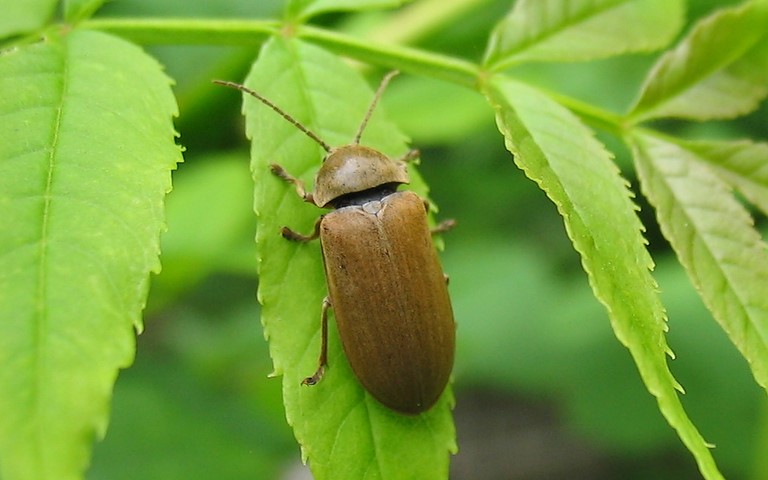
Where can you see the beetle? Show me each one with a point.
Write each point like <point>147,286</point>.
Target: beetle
<point>385,283</point>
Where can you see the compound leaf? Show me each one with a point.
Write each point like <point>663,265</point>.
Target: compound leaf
<point>556,151</point>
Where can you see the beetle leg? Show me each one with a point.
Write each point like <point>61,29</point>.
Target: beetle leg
<point>443,226</point>
<point>297,184</point>
<point>323,361</point>
<point>410,156</point>
<point>289,234</point>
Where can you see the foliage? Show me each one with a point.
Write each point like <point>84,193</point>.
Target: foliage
<point>88,147</point>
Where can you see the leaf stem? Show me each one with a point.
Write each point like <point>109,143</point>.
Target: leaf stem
<point>408,59</point>
<point>595,117</point>
<point>187,31</point>
<point>254,32</point>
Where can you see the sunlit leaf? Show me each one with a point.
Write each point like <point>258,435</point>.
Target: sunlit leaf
<point>24,16</point>
<point>720,70</point>
<point>75,10</point>
<point>743,164</point>
<point>343,431</point>
<point>715,240</point>
<point>88,145</point>
<point>556,151</point>
<point>573,30</point>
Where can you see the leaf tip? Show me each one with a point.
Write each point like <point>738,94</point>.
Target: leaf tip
<point>679,388</point>
<point>668,350</point>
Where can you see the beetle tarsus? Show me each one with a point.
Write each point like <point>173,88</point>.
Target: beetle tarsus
<point>316,377</point>
<point>323,360</point>
<point>293,236</point>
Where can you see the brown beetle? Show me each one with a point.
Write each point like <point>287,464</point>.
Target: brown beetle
<point>385,283</point>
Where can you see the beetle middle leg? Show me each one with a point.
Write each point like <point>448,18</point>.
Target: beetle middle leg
<point>294,236</point>
<point>443,226</point>
<point>323,361</point>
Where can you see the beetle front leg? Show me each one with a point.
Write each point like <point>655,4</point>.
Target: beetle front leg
<point>279,171</point>
<point>323,361</point>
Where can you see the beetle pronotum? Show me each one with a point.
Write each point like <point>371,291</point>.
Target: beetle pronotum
<point>385,283</point>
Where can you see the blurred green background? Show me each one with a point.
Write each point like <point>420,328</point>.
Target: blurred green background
<point>544,390</point>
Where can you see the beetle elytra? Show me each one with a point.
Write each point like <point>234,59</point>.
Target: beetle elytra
<point>385,283</point>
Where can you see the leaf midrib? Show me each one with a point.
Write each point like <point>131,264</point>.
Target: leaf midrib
<point>40,321</point>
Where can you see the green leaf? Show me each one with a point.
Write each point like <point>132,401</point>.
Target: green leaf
<point>304,9</point>
<point>343,431</point>
<point>576,30</point>
<point>88,145</point>
<point>76,10</point>
<point>715,240</point>
<point>556,151</point>
<point>742,164</point>
<point>720,70</point>
<point>20,17</point>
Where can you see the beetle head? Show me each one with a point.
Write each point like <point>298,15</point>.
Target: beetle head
<point>355,168</point>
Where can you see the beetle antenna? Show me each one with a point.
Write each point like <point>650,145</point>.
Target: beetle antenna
<point>277,109</point>
<point>376,97</point>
